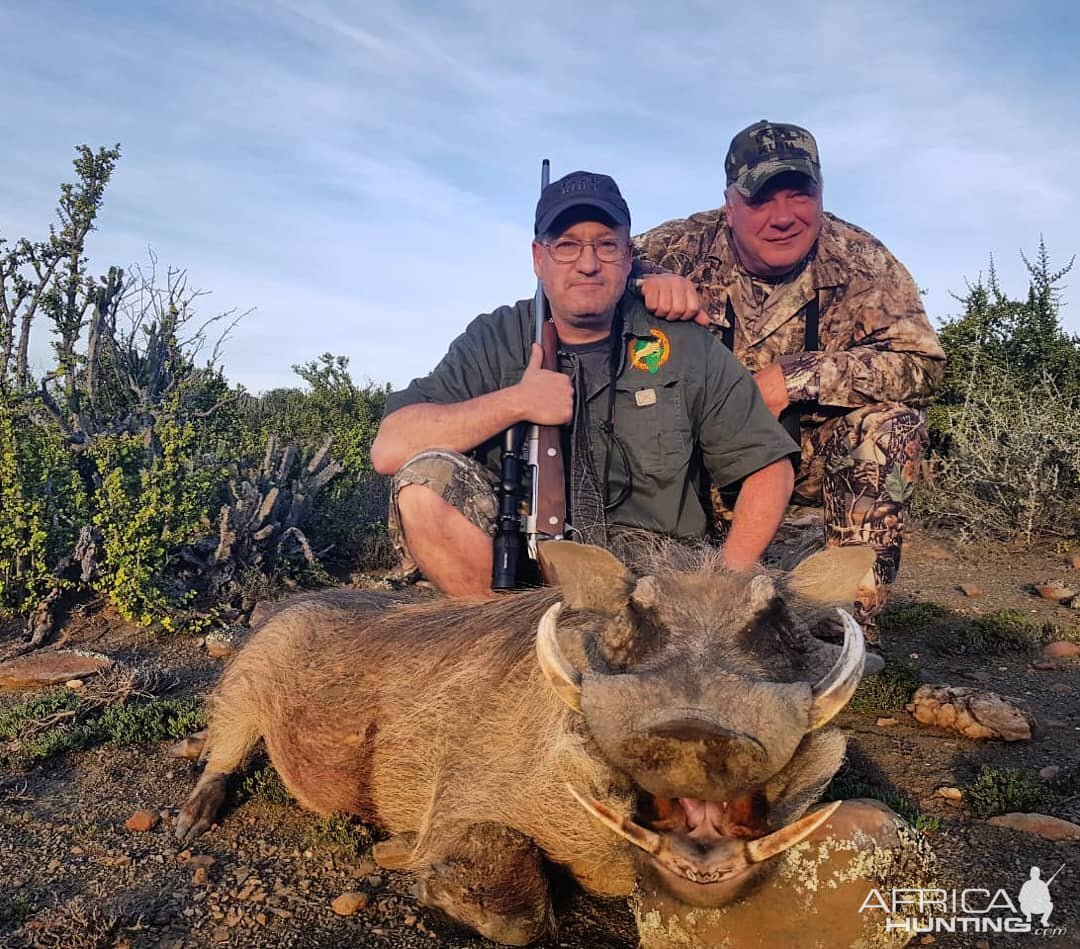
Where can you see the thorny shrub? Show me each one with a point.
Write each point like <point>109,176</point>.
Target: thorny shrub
<point>1008,462</point>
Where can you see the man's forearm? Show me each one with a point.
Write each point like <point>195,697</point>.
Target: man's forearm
<point>759,509</point>
<point>459,426</point>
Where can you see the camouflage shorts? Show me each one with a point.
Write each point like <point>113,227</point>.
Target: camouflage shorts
<point>460,481</point>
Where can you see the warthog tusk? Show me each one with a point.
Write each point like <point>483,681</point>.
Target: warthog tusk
<point>647,840</point>
<point>735,859</point>
<point>834,691</point>
<point>765,848</point>
<point>563,678</point>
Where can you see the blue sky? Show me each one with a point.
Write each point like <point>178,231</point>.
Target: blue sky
<point>364,174</point>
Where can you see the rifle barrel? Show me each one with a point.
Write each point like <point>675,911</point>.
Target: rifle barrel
<point>541,300</point>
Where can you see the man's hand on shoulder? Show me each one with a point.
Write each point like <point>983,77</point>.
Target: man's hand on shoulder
<point>672,297</point>
<point>547,397</point>
<point>773,388</point>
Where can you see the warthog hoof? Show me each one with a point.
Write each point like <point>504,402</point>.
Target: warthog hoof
<point>202,808</point>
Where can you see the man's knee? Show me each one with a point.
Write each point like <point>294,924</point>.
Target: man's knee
<point>897,432</point>
<point>420,506</point>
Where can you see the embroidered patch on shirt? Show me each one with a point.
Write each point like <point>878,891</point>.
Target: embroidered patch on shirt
<point>649,355</point>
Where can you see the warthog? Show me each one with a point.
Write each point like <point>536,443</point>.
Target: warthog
<point>665,731</point>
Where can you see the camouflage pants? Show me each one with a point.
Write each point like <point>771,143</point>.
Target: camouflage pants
<point>861,467</point>
<point>463,483</point>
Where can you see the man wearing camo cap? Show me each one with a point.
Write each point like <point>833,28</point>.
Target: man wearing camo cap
<point>829,323</point>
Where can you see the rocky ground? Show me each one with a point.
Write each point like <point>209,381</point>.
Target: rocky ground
<point>73,874</point>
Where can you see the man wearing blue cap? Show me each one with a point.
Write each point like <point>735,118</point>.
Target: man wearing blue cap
<point>653,410</point>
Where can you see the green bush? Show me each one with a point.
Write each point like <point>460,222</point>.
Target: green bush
<point>146,510</point>
<point>1003,631</point>
<point>60,720</point>
<point>43,501</point>
<point>340,835</point>
<point>1005,434</point>
<point>890,690</point>
<point>266,784</point>
<point>1004,790</point>
<point>349,519</point>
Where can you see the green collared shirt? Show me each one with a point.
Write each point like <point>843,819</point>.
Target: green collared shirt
<point>685,410</point>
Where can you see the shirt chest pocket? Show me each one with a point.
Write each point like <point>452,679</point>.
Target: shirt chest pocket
<point>654,426</point>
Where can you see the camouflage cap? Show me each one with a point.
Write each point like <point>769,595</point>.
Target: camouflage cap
<point>766,149</point>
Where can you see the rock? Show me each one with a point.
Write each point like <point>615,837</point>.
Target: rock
<point>974,713</point>
<point>50,668</point>
<point>190,747</point>
<point>221,934</point>
<point>350,903</point>
<point>142,821</point>
<point>221,643</point>
<point>1056,590</point>
<point>886,722</point>
<point>1045,665</point>
<point>1061,688</point>
<point>200,877</point>
<point>1050,772</point>
<point>816,889</point>
<point>74,684</point>
<point>1074,561</point>
<point>1051,828</point>
<point>200,860</point>
<point>950,794</point>
<point>981,675</point>
<point>1061,649</point>
<point>971,589</point>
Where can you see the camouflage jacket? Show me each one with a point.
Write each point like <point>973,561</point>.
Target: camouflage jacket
<point>876,344</point>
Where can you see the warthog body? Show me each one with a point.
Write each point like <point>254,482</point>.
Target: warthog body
<point>683,710</point>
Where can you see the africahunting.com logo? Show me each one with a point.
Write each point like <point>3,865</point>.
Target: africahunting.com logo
<point>973,910</point>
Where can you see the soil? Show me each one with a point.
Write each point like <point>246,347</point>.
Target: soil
<point>74,876</point>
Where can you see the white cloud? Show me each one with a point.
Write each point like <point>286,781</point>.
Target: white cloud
<point>365,175</point>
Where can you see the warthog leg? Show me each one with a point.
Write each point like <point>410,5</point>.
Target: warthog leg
<point>490,878</point>
<point>232,735</point>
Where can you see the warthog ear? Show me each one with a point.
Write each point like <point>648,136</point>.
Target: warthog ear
<point>833,576</point>
<point>590,577</point>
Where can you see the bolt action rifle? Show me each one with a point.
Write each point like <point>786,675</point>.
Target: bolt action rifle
<point>546,518</point>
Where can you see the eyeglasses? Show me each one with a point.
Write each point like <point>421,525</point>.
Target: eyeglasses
<point>608,250</point>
